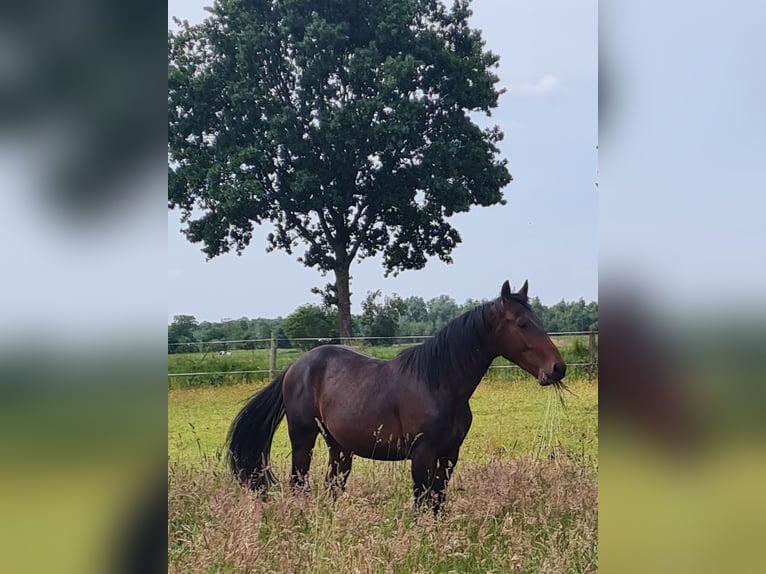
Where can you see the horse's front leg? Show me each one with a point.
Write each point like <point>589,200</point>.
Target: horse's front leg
<point>444,468</point>
<point>423,470</point>
<point>445,464</point>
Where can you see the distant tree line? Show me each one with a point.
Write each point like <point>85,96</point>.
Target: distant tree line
<point>382,316</point>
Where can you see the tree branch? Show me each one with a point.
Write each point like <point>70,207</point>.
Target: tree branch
<point>303,232</point>
<point>362,232</point>
<point>325,227</point>
<point>362,206</point>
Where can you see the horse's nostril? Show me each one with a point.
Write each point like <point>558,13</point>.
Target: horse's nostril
<point>559,370</point>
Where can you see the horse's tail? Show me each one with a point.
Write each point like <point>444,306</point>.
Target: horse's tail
<point>250,436</point>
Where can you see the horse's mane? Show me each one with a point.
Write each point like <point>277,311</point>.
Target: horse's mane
<point>457,350</point>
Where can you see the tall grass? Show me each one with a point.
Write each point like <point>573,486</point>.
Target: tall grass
<point>524,515</point>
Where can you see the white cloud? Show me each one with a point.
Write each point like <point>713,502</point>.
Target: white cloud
<point>546,85</point>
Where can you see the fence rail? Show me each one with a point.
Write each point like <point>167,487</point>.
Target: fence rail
<point>317,339</point>
<point>591,364</point>
<point>269,371</point>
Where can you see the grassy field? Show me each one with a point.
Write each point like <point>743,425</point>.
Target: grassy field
<point>508,418</point>
<point>511,506</point>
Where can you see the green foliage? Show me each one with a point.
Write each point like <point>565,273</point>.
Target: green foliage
<point>392,317</point>
<point>415,309</point>
<point>442,310</point>
<point>276,108</point>
<point>309,321</point>
<point>579,350</point>
<point>563,316</point>
<point>186,335</point>
<point>381,319</point>
<point>414,320</point>
<point>181,333</point>
<point>346,124</point>
<point>329,296</point>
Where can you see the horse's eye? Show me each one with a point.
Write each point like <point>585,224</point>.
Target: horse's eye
<point>522,323</point>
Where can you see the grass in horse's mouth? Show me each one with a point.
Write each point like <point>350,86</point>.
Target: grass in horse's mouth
<point>548,444</point>
<point>561,385</point>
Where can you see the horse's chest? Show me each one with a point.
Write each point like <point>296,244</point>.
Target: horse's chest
<point>450,429</point>
<point>460,426</point>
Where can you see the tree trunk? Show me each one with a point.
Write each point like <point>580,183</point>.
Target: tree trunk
<point>342,282</point>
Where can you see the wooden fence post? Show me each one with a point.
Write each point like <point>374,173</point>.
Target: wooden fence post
<point>273,356</point>
<point>591,354</point>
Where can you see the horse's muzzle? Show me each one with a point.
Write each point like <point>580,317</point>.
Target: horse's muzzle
<point>558,372</point>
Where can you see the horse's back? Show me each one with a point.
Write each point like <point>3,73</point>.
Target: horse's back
<point>332,351</point>
<point>314,367</point>
<point>330,369</point>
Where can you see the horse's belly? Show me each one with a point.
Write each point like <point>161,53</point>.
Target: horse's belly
<point>384,452</point>
<point>376,444</point>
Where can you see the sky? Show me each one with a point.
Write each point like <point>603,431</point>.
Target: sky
<point>546,234</point>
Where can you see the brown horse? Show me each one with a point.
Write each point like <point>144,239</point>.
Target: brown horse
<point>414,406</point>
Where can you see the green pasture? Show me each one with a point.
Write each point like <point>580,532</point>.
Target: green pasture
<point>508,421</point>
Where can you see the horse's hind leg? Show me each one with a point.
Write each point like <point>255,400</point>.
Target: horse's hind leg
<point>340,467</point>
<point>302,438</point>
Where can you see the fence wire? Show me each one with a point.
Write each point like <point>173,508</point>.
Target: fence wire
<point>268,371</point>
<point>319,339</point>
<point>592,363</point>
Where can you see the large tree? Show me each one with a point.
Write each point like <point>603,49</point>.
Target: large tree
<point>345,123</point>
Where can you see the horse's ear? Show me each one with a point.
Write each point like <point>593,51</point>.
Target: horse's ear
<point>523,290</point>
<point>505,292</point>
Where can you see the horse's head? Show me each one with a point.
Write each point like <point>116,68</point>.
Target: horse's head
<point>521,339</point>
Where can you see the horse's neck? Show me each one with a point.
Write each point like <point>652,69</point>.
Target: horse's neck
<point>465,383</point>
